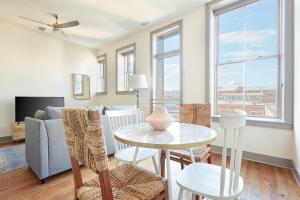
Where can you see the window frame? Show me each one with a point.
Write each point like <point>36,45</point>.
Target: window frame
<point>103,59</point>
<point>160,56</point>
<point>285,61</point>
<point>123,51</point>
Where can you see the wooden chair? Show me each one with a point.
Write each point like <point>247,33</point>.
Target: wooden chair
<point>85,142</point>
<point>218,182</point>
<point>194,114</point>
<point>124,152</point>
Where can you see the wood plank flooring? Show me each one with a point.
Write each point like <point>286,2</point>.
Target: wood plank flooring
<point>262,182</point>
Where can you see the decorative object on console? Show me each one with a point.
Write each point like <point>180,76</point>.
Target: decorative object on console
<point>160,119</point>
<point>17,131</point>
<point>137,82</point>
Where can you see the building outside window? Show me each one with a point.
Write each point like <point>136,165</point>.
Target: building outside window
<point>166,75</point>
<point>125,67</point>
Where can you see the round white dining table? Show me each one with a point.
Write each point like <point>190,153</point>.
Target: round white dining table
<point>179,136</point>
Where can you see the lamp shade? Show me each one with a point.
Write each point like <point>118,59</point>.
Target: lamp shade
<point>137,81</point>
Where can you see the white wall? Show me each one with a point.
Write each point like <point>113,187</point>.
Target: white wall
<point>193,61</point>
<point>273,142</point>
<point>297,85</point>
<point>33,64</point>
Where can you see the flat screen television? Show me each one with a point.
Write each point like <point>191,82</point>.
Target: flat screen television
<point>27,106</point>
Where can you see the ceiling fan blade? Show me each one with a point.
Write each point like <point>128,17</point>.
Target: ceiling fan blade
<point>63,34</point>
<point>68,24</point>
<point>35,21</point>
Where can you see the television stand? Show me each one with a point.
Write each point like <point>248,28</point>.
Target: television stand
<point>18,131</point>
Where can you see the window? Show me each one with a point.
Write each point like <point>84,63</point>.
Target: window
<point>125,67</point>
<point>102,75</point>
<point>250,59</point>
<point>166,74</point>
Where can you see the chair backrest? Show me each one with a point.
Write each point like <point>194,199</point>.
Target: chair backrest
<point>232,125</point>
<point>196,114</point>
<point>122,118</point>
<point>85,142</point>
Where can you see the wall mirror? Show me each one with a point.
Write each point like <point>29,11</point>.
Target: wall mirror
<point>81,87</point>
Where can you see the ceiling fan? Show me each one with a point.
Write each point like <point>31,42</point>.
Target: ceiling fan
<point>56,27</point>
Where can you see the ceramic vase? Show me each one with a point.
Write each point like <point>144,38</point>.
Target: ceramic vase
<point>160,119</point>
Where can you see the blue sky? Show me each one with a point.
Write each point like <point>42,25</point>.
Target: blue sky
<point>255,22</point>
<point>249,32</point>
<point>171,70</point>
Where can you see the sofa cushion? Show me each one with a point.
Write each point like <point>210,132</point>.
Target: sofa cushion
<point>99,108</point>
<point>119,107</point>
<point>40,114</point>
<point>53,112</point>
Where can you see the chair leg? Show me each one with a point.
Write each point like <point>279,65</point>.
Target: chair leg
<point>155,165</point>
<point>166,191</point>
<point>192,155</point>
<point>75,196</point>
<point>180,194</point>
<point>209,160</point>
<point>117,163</point>
<point>181,163</point>
<point>162,163</point>
<point>135,155</point>
<point>42,181</point>
<point>193,196</point>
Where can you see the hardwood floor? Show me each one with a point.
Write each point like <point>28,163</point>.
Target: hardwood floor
<point>262,182</point>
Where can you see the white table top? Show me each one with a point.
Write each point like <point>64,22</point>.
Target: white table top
<point>177,136</point>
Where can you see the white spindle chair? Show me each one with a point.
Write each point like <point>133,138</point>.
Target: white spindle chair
<point>218,182</point>
<point>126,153</point>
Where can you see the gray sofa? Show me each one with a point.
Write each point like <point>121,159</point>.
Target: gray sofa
<point>45,143</point>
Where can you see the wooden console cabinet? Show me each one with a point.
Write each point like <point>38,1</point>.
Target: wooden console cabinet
<point>18,131</point>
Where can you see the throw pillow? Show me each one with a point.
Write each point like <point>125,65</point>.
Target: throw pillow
<point>53,112</point>
<point>40,114</point>
<point>99,108</point>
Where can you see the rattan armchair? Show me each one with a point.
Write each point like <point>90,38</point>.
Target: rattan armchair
<point>195,114</point>
<point>86,144</point>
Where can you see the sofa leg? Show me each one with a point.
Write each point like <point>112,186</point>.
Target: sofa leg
<point>42,181</point>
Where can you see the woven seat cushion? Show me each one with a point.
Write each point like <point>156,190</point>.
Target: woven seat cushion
<point>199,153</point>
<point>128,182</point>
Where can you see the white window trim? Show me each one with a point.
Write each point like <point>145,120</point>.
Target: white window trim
<point>286,62</point>
<point>154,56</point>
<point>123,50</point>
<point>103,59</point>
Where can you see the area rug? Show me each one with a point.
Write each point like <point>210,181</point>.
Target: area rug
<point>12,158</point>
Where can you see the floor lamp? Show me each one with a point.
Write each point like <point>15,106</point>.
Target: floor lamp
<point>137,82</point>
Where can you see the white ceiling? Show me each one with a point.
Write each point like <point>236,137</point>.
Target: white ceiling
<point>101,21</point>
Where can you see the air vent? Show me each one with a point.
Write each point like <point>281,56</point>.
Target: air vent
<point>145,23</point>
<point>40,28</point>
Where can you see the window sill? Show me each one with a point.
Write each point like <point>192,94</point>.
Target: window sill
<point>101,93</point>
<point>125,93</point>
<point>267,123</point>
